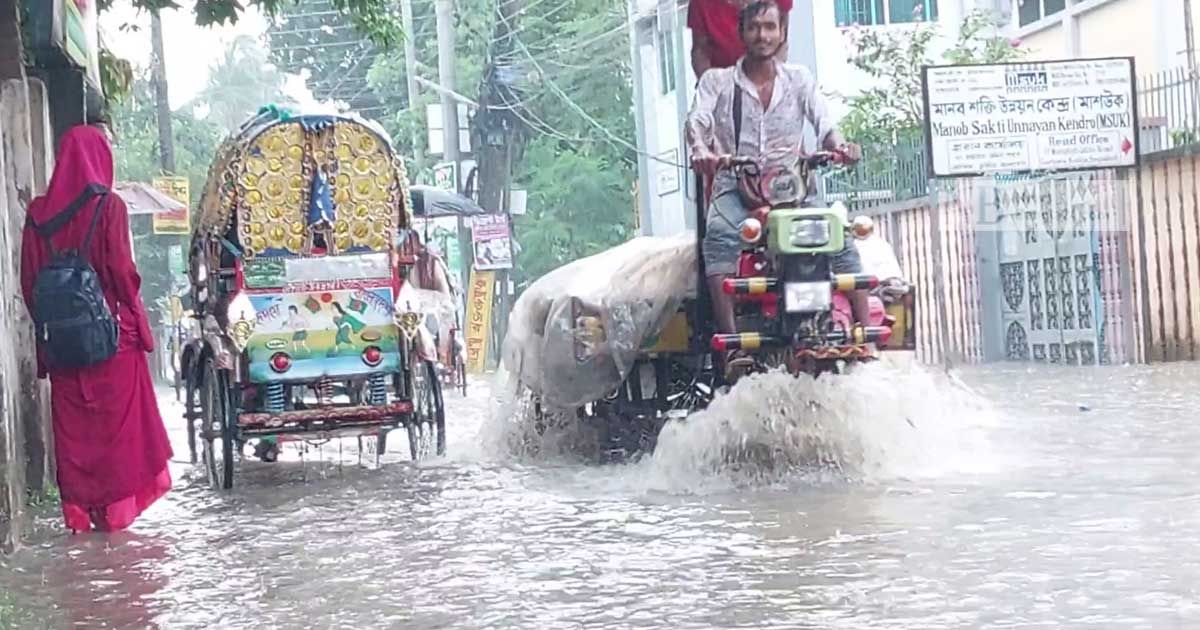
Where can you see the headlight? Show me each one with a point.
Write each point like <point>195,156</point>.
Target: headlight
<point>810,232</point>
<point>241,318</point>
<point>751,230</point>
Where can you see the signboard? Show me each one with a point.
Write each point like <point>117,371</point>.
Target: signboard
<point>479,318</point>
<point>66,32</point>
<point>1056,115</point>
<point>437,137</point>
<point>518,202</point>
<point>667,171</point>
<point>177,221</point>
<point>445,176</point>
<point>493,244</point>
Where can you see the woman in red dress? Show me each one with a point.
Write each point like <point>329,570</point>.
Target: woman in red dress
<point>109,441</point>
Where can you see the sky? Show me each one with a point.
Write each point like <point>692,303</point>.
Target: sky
<point>190,50</point>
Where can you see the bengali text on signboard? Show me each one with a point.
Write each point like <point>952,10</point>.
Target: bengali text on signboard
<point>174,221</point>
<point>1061,115</point>
<point>479,318</point>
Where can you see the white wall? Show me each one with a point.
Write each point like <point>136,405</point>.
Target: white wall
<point>837,77</point>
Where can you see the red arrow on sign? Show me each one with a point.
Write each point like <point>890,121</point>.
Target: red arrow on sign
<point>1126,146</point>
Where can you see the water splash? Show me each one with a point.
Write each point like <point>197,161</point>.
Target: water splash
<point>882,421</point>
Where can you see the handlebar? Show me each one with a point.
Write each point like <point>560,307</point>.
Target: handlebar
<point>812,160</point>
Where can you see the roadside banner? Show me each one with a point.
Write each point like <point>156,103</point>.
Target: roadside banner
<point>174,221</point>
<point>479,318</point>
<point>492,241</point>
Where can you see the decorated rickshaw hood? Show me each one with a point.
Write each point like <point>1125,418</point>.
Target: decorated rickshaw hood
<point>282,178</point>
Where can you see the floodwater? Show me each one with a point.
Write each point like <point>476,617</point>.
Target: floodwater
<point>1006,497</point>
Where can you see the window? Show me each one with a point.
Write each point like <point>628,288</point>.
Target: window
<point>871,12</point>
<point>859,12</point>
<point>903,11</point>
<point>1030,11</point>
<point>666,61</point>
<point>1050,7</point>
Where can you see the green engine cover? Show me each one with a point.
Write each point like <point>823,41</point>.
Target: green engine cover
<point>779,230</point>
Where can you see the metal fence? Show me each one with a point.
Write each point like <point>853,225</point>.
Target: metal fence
<point>1169,110</point>
<point>889,173</point>
<point>1168,117</point>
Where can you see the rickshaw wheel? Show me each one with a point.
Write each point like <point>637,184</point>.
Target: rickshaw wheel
<point>427,429</point>
<point>190,403</point>
<point>215,410</point>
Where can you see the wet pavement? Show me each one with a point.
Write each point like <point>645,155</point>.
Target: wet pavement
<point>1006,497</point>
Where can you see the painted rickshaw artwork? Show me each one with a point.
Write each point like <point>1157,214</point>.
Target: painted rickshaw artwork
<point>305,329</point>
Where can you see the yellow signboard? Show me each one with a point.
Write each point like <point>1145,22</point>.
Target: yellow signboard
<point>175,222</point>
<point>479,318</point>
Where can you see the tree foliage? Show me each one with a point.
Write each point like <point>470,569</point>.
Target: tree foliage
<point>135,153</point>
<point>374,18</point>
<point>892,108</point>
<point>566,82</point>
<point>304,38</point>
<point>241,82</point>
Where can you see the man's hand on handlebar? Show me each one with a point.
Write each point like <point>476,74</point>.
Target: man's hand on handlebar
<point>706,162</point>
<point>851,153</point>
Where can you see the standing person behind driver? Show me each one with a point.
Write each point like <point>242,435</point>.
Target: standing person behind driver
<point>775,101</point>
<point>716,40</point>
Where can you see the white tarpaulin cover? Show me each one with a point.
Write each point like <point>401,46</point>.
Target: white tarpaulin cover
<point>632,290</point>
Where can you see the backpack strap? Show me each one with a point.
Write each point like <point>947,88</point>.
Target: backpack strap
<point>87,240</point>
<point>737,117</point>
<point>60,220</point>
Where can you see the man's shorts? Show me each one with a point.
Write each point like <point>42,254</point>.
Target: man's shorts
<point>723,242</point>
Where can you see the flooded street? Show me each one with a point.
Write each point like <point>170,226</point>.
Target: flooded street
<point>1025,498</point>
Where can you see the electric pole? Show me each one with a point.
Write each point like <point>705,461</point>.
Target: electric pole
<point>497,138</point>
<point>410,72</point>
<point>166,141</point>
<point>447,57</point>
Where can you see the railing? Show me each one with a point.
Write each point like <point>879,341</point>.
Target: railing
<point>1169,110</point>
<point>888,173</point>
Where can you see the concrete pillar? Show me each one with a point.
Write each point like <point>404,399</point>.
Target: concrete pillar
<point>31,404</point>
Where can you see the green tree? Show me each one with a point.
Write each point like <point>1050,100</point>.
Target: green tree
<point>565,82</point>
<point>241,82</point>
<point>304,39</point>
<point>888,118</point>
<point>135,155</point>
<point>892,60</point>
<point>374,18</point>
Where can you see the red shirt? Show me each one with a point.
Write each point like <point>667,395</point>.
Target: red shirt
<point>719,19</point>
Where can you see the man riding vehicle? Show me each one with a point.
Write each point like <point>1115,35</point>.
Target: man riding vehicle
<point>716,39</point>
<point>750,110</point>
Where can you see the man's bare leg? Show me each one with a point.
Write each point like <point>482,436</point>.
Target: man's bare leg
<point>722,305</point>
<point>860,304</point>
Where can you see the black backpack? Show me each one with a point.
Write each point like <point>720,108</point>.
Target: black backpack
<point>74,326</point>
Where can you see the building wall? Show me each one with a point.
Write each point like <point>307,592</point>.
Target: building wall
<point>25,447</point>
<point>25,149</point>
<point>1152,31</point>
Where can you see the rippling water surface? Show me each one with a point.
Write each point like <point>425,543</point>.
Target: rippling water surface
<point>895,498</point>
